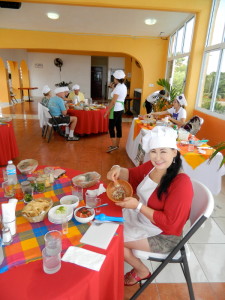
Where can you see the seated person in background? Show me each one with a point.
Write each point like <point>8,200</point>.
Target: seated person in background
<point>154,220</point>
<point>178,112</point>
<point>57,108</point>
<point>76,96</point>
<point>152,98</point>
<point>47,95</point>
<point>193,125</point>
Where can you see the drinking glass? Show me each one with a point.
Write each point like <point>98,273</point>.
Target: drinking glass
<point>53,242</point>
<point>8,189</point>
<point>90,200</point>
<point>77,191</point>
<point>98,201</point>
<point>51,263</point>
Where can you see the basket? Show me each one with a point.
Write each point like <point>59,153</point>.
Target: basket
<point>111,188</point>
<point>41,214</point>
<point>86,180</point>
<point>27,166</point>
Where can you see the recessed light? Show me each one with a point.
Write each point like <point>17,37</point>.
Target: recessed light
<point>53,15</point>
<point>150,21</point>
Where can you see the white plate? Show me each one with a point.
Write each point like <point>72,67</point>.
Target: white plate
<point>56,218</point>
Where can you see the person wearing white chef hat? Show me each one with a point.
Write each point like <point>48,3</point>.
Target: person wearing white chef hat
<point>177,113</point>
<point>154,220</point>
<point>115,110</point>
<point>47,95</point>
<point>76,96</point>
<point>58,109</point>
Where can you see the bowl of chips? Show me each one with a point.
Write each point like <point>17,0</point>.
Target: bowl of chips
<point>36,210</point>
<point>119,190</point>
<point>86,180</point>
<point>27,166</point>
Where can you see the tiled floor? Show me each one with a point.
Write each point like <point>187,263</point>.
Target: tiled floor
<point>207,246</point>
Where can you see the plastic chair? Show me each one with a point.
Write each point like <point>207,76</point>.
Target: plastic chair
<point>194,125</point>
<point>13,98</point>
<point>201,209</point>
<point>52,123</point>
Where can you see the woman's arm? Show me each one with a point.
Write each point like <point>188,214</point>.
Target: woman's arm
<point>111,105</point>
<point>116,172</point>
<point>180,122</point>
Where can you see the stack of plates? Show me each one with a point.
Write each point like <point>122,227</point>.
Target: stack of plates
<point>57,218</point>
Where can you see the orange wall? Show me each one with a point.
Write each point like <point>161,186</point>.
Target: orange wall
<point>213,128</point>
<point>4,91</point>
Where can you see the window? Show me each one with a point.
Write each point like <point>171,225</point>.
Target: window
<point>211,92</point>
<point>178,54</point>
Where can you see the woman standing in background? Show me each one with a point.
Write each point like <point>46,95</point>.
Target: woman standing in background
<point>116,109</point>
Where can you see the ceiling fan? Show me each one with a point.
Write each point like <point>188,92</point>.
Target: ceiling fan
<point>58,63</point>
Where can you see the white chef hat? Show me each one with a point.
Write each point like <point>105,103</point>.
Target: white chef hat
<point>159,137</point>
<point>59,89</point>
<point>46,89</point>
<point>119,74</point>
<point>66,89</point>
<point>75,87</point>
<point>181,99</point>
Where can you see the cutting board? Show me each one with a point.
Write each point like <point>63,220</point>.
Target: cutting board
<point>99,235</point>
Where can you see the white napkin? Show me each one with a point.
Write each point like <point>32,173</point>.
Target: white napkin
<point>96,192</point>
<point>9,210</point>
<point>84,258</point>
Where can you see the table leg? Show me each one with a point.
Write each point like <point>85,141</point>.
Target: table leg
<point>29,100</point>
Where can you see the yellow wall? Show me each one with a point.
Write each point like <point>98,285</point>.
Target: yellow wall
<point>4,91</point>
<point>151,53</point>
<point>15,78</point>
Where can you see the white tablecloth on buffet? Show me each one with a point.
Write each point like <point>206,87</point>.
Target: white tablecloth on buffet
<point>207,173</point>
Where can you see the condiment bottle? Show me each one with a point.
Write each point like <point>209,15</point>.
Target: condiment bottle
<point>6,236</point>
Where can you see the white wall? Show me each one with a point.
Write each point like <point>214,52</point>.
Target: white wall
<point>76,68</point>
<point>13,54</point>
<point>115,63</point>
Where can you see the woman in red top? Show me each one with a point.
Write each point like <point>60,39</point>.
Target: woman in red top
<point>154,222</point>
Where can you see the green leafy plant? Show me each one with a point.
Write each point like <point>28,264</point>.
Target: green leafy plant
<point>172,91</point>
<point>220,147</point>
<point>63,83</point>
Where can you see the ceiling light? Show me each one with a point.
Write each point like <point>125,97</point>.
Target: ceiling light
<point>52,15</point>
<point>150,21</point>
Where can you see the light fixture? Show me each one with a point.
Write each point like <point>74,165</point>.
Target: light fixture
<point>150,21</point>
<point>53,15</point>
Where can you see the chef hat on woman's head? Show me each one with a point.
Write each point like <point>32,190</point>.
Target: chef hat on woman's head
<point>66,89</point>
<point>59,90</point>
<point>75,87</point>
<point>159,137</point>
<point>46,89</point>
<point>119,74</point>
<point>182,100</point>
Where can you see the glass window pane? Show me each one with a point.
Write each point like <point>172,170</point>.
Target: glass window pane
<point>217,26</point>
<point>172,45</point>
<point>188,36</point>
<point>209,75</point>
<point>220,96</point>
<point>179,75</point>
<point>180,35</point>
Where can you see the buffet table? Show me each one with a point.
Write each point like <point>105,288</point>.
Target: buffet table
<point>91,121</point>
<point>71,281</point>
<point>8,145</point>
<point>196,165</point>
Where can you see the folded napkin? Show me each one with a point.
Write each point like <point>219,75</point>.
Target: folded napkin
<point>96,192</point>
<point>9,210</point>
<point>84,258</point>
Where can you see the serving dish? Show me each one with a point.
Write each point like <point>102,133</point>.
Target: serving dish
<point>36,210</point>
<point>80,212</point>
<point>57,213</point>
<point>118,193</point>
<point>27,166</point>
<point>70,200</point>
<point>86,180</point>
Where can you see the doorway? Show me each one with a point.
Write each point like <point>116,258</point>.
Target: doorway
<point>96,82</point>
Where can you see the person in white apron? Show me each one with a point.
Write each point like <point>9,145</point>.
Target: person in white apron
<point>115,110</point>
<point>155,219</point>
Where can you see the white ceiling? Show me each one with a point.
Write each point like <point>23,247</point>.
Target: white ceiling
<point>91,20</point>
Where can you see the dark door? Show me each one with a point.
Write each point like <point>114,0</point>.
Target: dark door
<point>96,82</point>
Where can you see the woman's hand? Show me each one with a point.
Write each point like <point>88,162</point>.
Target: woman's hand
<point>128,202</point>
<point>106,114</point>
<point>114,173</point>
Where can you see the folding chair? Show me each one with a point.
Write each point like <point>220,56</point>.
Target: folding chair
<point>43,121</point>
<point>201,209</point>
<point>52,123</point>
<point>193,125</point>
<point>13,98</point>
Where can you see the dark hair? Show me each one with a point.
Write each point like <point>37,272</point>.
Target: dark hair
<point>120,80</point>
<point>162,92</point>
<point>171,173</point>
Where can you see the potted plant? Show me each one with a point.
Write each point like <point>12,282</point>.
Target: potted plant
<point>220,147</point>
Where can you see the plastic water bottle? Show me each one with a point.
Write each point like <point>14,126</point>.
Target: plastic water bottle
<point>1,251</point>
<point>11,173</point>
<point>191,146</point>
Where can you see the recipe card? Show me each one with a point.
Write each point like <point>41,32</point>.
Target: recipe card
<point>99,235</point>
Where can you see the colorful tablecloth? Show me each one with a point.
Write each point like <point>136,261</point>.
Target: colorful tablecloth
<point>29,240</point>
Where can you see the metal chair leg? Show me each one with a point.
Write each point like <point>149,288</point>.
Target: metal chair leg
<point>187,275</point>
<point>50,135</point>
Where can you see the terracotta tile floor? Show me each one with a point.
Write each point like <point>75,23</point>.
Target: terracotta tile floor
<point>89,154</point>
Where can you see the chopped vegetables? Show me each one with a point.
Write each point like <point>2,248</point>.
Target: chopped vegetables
<point>61,210</point>
<point>83,212</point>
